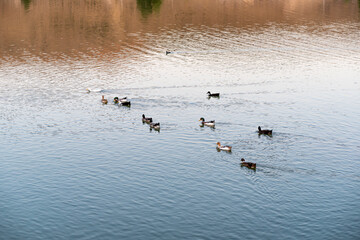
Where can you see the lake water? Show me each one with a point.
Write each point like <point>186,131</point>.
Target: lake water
<point>73,168</point>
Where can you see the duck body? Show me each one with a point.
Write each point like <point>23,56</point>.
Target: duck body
<point>103,100</point>
<point>125,102</point>
<point>155,126</point>
<point>264,131</point>
<point>224,148</point>
<point>94,90</point>
<point>208,123</point>
<point>146,120</point>
<point>213,94</point>
<point>248,164</point>
<point>169,52</point>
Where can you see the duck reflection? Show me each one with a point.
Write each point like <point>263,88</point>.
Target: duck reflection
<point>147,7</point>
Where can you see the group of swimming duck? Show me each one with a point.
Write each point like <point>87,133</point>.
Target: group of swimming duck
<point>156,126</point>
<point>226,147</point>
<point>123,101</point>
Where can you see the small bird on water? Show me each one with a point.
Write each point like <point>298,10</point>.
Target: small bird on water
<point>125,102</point>
<point>213,94</point>
<point>94,90</point>
<point>168,52</point>
<point>145,119</point>
<point>224,148</point>
<point>248,164</point>
<point>264,131</point>
<point>103,100</point>
<point>209,123</point>
<point>155,126</point>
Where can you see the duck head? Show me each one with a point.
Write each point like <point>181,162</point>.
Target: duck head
<point>243,160</point>
<point>208,93</point>
<point>202,119</point>
<point>259,128</point>
<point>143,116</point>
<point>218,143</point>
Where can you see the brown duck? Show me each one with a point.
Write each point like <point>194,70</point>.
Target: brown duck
<point>248,164</point>
<point>264,131</point>
<point>103,100</point>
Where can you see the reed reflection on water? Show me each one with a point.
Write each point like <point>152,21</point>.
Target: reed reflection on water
<point>72,167</point>
<point>147,7</point>
<point>101,27</point>
<point>26,4</point>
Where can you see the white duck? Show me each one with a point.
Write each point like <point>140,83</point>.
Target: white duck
<point>224,148</point>
<point>209,123</point>
<point>97,90</point>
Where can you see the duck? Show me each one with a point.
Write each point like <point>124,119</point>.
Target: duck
<point>94,90</point>
<point>224,148</point>
<point>145,119</point>
<point>265,131</point>
<point>248,164</point>
<point>155,126</point>
<point>124,101</point>
<point>209,123</point>
<point>103,100</point>
<point>213,94</point>
<point>169,52</point>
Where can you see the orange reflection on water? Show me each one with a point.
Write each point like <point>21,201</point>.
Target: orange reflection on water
<point>107,26</point>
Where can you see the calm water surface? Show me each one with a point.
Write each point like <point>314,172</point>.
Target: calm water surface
<point>72,168</point>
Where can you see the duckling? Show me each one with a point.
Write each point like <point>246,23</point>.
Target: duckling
<point>125,102</point>
<point>224,148</point>
<point>103,100</point>
<point>213,94</point>
<point>209,123</point>
<point>145,119</point>
<point>265,131</point>
<point>248,164</point>
<point>155,126</point>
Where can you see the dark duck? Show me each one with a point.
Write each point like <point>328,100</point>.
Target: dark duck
<point>145,119</point>
<point>248,164</point>
<point>264,131</point>
<point>169,52</point>
<point>213,94</point>
<point>125,102</point>
<point>155,126</point>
